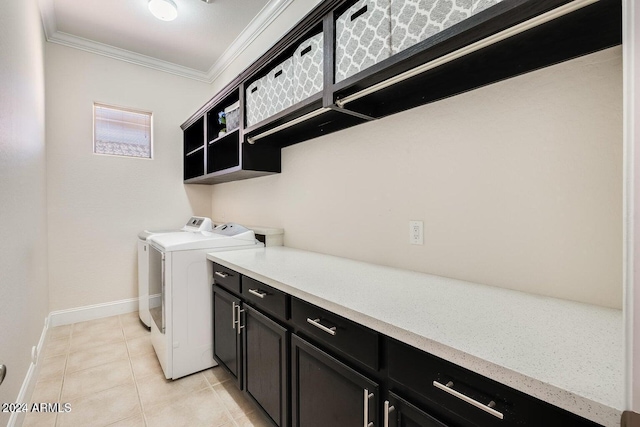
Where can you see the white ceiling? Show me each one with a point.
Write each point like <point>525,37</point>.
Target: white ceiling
<point>198,44</point>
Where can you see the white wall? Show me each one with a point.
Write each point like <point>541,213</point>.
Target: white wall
<point>519,185</point>
<point>24,294</point>
<point>98,204</point>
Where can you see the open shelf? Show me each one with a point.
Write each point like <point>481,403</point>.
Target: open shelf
<point>194,164</point>
<point>213,125</point>
<point>224,152</point>
<point>255,161</point>
<point>194,136</point>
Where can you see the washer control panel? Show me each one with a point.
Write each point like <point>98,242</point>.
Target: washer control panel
<point>198,223</point>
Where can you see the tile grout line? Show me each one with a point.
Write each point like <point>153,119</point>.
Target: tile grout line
<point>91,367</point>
<point>224,405</point>
<point>133,372</point>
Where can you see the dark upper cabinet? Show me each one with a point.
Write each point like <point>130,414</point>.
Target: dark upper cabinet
<point>266,357</point>
<point>221,155</point>
<point>328,73</point>
<point>193,148</point>
<point>326,392</point>
<point>227,343</point>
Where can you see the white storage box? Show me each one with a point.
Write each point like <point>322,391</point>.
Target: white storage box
<point>363,37</point>
<point>279,87</point>
<point>256,101</point>
<point>415,20</point>
<point>308,68</point>
<point>480,5</point>
<point>232,116</point>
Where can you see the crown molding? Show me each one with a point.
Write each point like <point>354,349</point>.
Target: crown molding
<point>126,55</point>
<point>48,14</point>
<point>266,16</point>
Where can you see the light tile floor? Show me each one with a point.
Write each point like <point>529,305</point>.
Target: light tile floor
<point>107,370</point>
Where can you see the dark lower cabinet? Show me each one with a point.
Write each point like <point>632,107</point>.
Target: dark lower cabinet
<point>325,392</point>
<point>401,413</point>
<point>266,349</point>
<point>227,345</point>
<point>297,384</point>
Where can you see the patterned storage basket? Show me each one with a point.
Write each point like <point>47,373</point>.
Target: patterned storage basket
<point>307,68</point>
<point>279,87</point>
<point>232,115</point>
<point>480,5</point>
<point>415,20</point>
<point>256,102</point>
<point>363,37</point>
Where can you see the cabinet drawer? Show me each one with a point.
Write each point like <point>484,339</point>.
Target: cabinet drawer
<point>344,335</point>
<point>226,278</point>
<point>455,394</point>
<point>265,297</point>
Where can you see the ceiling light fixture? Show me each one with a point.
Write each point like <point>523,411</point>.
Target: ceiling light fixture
<point>165,10</point>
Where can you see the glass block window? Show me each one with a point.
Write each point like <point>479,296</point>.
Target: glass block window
<point>121,132</point>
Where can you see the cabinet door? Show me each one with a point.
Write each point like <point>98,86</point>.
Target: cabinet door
<point>266,364</point>
<point>400,413</point>
<point>226,339</point>
<point>325,392</point>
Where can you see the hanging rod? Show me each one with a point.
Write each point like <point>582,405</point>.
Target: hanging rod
<point>480,44</point>
<point>253,139</point>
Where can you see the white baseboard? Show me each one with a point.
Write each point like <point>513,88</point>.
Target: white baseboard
<point>59,318</point>
<point>91,312</point>
<point>29,383</point>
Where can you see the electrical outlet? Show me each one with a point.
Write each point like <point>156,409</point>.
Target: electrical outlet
<point>416,236</point>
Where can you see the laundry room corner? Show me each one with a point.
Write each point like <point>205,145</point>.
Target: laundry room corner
<point>97,204</point>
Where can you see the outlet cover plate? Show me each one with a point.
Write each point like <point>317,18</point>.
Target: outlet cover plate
<point>416,234</point>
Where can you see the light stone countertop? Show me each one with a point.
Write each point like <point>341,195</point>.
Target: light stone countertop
<point>566,353</point>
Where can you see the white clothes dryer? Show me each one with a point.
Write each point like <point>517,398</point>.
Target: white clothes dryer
<point>181,320</point>
<point>195,224</point>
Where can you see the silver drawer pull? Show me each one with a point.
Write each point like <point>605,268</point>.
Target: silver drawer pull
<point>317,324</point>
<point>487,408</point>
<point>239,322</point>
<point>367,396</point>
<point>387,411</point>
<point>257,293</point>
<point>233,314</point>
<point>221,274</point>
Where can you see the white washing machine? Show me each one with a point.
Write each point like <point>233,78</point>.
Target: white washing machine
<point>181,320</point>
<point>194,224</point>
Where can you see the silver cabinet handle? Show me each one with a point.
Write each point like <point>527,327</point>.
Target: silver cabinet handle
<point>487,408</point>
<point>367,396</point>
<point>233,314</point>
<point>387,411</point>
<point>239,321</point>
<point>3,372</point>
<point>317,324</point>
<point>257,293</point>
<point>221,274</point>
